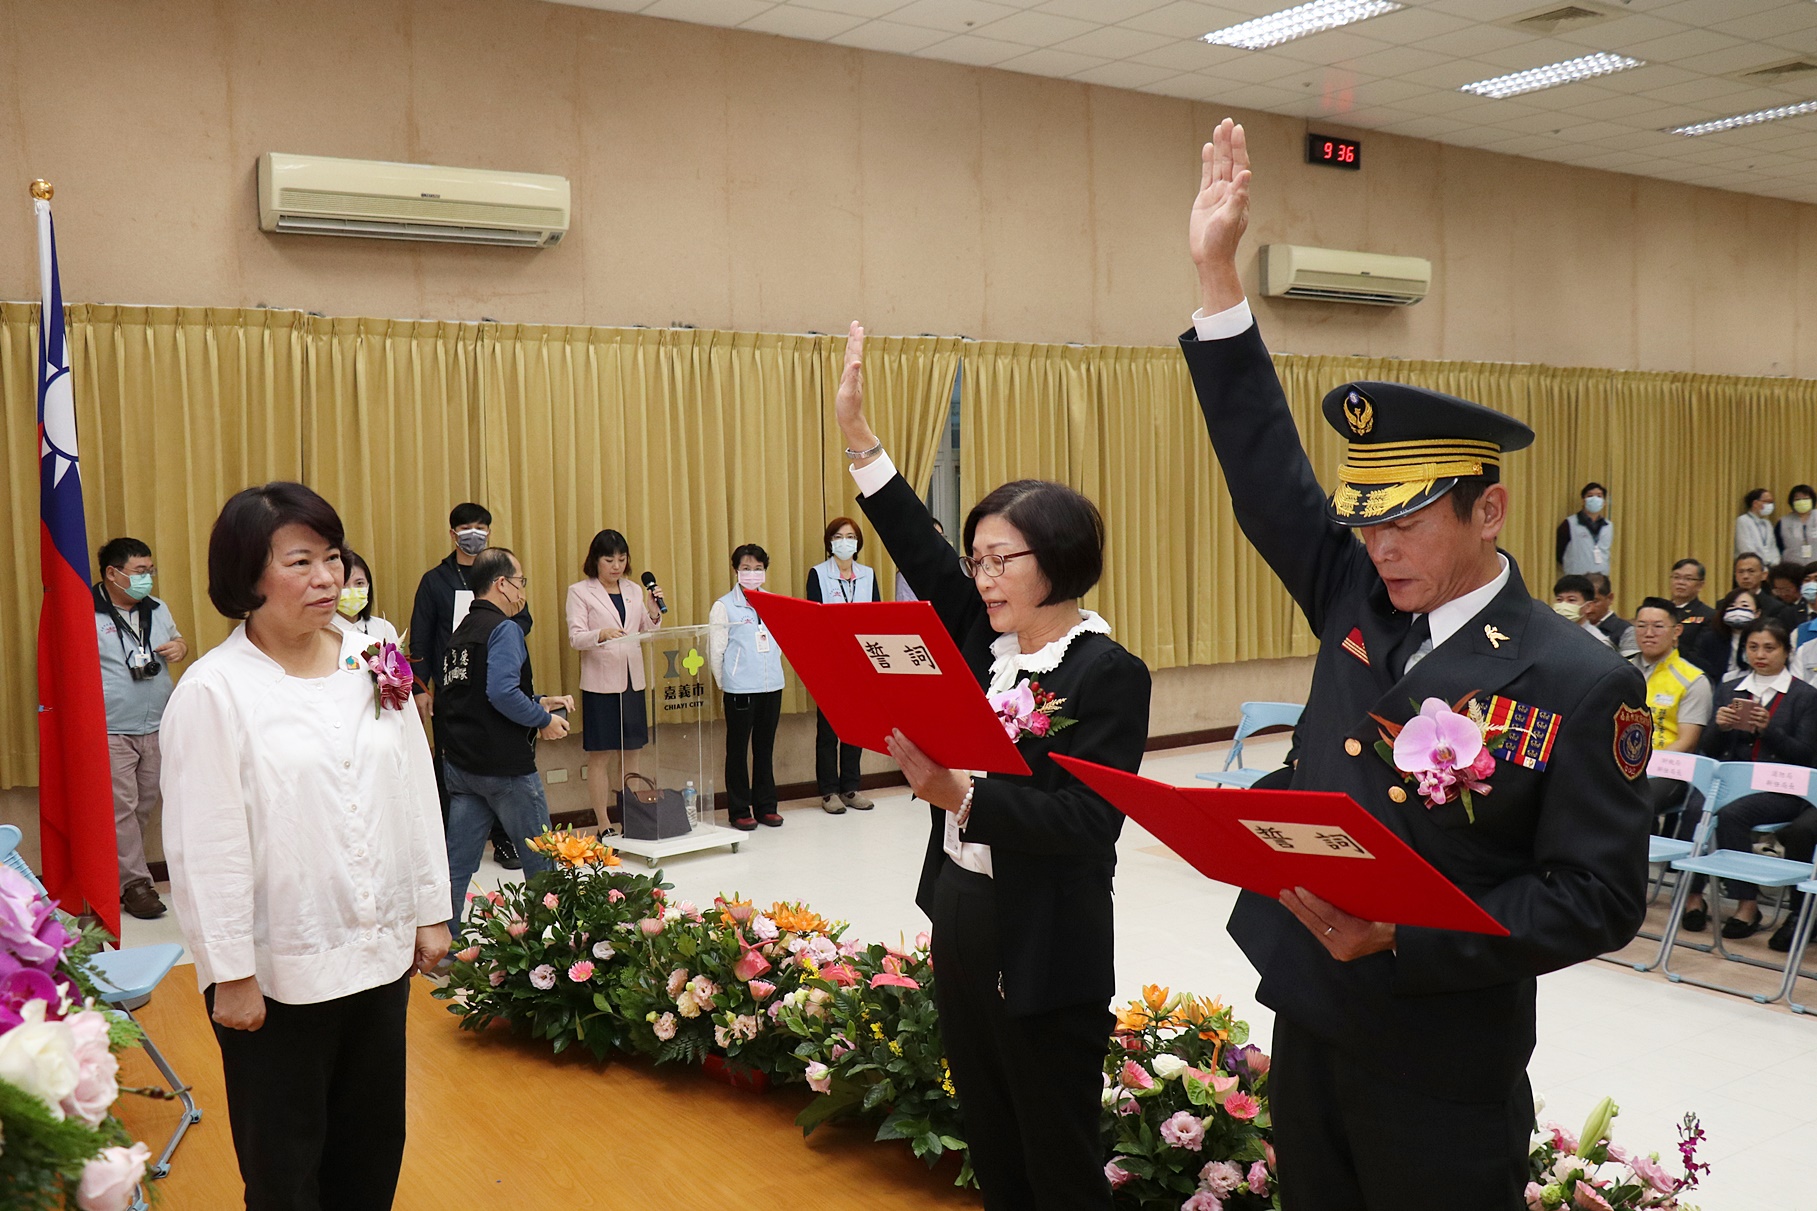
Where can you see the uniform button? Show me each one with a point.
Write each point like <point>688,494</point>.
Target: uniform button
<point>353,807</point>
<point>1397,794</point>
<point>360,852</point>
<point>346,765</point>
<point>1353,746</point>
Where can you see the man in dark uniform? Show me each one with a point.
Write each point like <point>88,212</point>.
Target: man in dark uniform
<point>1698,644</point>
<point>1403,1050</point>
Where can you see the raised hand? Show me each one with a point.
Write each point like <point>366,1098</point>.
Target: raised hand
<point>1220,214</point>
<point>848,404</point>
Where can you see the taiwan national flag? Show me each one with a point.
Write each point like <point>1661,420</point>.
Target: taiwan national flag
<point>75,787</point>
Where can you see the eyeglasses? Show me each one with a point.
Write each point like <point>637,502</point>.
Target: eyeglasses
<point>520,581</point>
<point>991,564</point>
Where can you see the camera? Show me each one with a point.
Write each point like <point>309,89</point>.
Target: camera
<point>143,664</point>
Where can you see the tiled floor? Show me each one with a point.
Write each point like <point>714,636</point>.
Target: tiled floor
<point>1659,1049</point>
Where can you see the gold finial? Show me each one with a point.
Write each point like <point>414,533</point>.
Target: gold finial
<point>42,190</point>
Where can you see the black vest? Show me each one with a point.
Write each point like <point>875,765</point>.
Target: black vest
<point>475,736</point>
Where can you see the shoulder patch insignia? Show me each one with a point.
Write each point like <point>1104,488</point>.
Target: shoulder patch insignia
<point>1353,643</point>
<point>1633,739</point>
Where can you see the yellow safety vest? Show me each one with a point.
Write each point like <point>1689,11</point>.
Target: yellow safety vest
<point>1666,687</point>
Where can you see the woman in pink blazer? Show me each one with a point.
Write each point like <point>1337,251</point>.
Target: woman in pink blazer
<point>605,613</point>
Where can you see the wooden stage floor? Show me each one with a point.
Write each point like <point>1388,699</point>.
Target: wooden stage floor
<point>496,1122</point>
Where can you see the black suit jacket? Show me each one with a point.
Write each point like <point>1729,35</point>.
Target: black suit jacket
<point>432,619</point>
<point>1559,857</point>
<point>1053,839</point>
<point>1790,737</point>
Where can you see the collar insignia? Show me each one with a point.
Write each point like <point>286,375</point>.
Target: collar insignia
<point>1495,637</point>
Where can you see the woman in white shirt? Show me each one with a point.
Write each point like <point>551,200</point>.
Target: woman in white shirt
<point>356,599</point>
<point>306,857</point>
<point>606,612</point>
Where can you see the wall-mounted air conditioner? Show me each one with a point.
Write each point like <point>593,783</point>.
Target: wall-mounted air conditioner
<point>1293,271</point>
<point>374,199</point>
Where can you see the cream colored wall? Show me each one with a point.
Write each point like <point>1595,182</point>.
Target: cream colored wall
<point>738,180</point>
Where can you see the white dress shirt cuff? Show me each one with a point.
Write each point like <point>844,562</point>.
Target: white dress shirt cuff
<point>1232,321</point>
<point>873,475</point>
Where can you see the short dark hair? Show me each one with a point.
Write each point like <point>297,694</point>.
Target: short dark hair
<point>1592,486</point>
<point>116,551</point>
<point>490,566</point>
<point>1573,583</point>
<point>1785,570</point>
<point>469,514</point>
<point>239,546</point>
<point>1747,555</point>
<point>1692,563</point>
<point>1657,603</point>
<point>751,549</point>
<point>605,544</point>
<point>1754,494</point>
<point>1466,493</point>
<point>1718,624</point>
<point>833,527</point>
<point>1801,490</point>
<point>351,559</point>
<point>1060,525</point>
<point>1766,625</point>
<point>1600,583</point>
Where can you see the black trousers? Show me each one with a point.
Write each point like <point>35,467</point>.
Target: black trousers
<point>441,788</point>
<point>315,1100</point>
<point>751,720</point>
<point>1343,1135</point>
<point>835,764</point>
<point>1030,1088</point>
<point>1735,826</point>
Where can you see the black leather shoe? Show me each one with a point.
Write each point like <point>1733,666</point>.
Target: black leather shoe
<point>1782,937</point>
<point>1695,920</point>
<point>506,855</point>
<point>1734,929</point>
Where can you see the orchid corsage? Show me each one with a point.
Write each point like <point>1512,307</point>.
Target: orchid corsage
<point>1445,751</point>
<point>391,678</point>
<point>1027,709</point>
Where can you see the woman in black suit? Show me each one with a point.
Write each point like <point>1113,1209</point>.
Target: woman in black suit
<point>1768,715</point>
<point>1017,875</point>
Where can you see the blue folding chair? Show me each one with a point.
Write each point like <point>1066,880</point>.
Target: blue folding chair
<point>1734,779</point>
<point>1256,716</point>
<point>1662,851</point>
<point>1801,937</point>
<point>125,980</point>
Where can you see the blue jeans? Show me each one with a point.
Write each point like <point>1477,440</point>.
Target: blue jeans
<point>475,801</point>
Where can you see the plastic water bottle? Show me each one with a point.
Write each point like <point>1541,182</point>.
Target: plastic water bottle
<point>690,802</point>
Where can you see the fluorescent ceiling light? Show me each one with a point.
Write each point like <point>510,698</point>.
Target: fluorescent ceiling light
<point>1297,22</point>
<point>1758,116</point>
<point>1602,63</point>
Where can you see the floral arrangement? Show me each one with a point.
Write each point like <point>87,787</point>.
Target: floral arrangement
<point>59,1141</point>
<point>1186,1108</point>
<point>1027,709</point>
<point>1592,1172</point>
<point>391,676</point>
<point>1446,752</point>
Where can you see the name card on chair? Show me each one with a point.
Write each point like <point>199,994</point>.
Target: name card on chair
<point>1679,767</point>
<point>1785,779</point>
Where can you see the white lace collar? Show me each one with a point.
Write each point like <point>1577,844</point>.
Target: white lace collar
<point>1009,660</point>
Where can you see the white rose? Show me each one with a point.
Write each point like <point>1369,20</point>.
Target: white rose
<point>40,1058</point>
<point>108,1181</point>
<point>1167,1067</point>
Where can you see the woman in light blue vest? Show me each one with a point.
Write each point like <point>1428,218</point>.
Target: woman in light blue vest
<point>840,579</point>
<point>748,667</point>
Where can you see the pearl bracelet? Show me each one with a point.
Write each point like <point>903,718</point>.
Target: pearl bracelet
<point>965,805</point>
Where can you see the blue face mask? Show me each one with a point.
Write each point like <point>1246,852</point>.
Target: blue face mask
<point>1593,504</point>
<point>1808,590</point>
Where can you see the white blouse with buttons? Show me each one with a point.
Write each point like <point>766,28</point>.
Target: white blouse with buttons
<point>303,830</point>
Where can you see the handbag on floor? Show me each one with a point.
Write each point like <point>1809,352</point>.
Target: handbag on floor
<point>651,812</point>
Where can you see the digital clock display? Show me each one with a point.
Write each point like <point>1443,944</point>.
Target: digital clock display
<point>1339,153</point>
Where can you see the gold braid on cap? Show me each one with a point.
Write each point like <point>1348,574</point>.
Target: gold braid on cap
<point>1403,462</point>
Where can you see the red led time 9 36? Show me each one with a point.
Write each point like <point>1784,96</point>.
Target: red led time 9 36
<point>1333,151</point>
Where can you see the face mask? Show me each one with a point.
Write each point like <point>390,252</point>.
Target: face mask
<point>1801,505</point>
<point>353,600</point>
<point>845,548</point>
<point>1739,616</point>
<point>1593,504</point>
<point>138,586</point>
<point>471,542</point>
<point>1808,591</point>
<point>1570,611</point>
<point>750,578</point>
<point>1766,510</point>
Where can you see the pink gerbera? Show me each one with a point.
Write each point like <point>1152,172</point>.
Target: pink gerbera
<point>1240,1105</point>
<point>581,972</point>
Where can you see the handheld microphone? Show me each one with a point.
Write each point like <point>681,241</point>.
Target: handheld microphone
<point>649,579</point>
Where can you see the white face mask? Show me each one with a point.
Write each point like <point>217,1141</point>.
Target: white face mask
<point>845,548</point>
<point>1766,510</point>
<point>1593,504</point>
<point>1739,616</point>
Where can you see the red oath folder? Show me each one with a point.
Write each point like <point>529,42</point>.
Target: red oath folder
<point>876,666</point>
<point>1269,841</point>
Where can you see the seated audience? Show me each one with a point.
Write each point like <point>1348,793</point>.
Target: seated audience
<point>1751,574</point>
<point>1570,596</point>
<point>1784,581</point>
<point>1678,694</point>
<point>1697,644</point>
<point>1768,715</point>
<point>1754,533</point>
<point>1734,612</point>
<point>1599,611</point>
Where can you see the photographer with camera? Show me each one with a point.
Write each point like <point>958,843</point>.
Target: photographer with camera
<point>139,642</point>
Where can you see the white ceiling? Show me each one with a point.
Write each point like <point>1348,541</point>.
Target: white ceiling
<point>1398,73</point>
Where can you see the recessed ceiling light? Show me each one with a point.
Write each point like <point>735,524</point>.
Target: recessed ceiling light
<point>1602,63</point>
<point>1297,22</point>
<point>1758,116</point>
